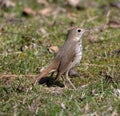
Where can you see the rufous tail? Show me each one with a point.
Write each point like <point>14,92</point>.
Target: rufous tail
<point>46,71</point>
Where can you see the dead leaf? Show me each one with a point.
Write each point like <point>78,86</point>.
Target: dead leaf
<point>71,15</point>
<point>46,11</point>
<point>6,4</point>
<point>114,113</point>
<point>42,31</point>
<point>73,3</point>
<point>43,2</point>
<point>51,10</point>
<point>82,4</point>
<point>28,11</point>
<point>114,24</point>
<point>53,49</point>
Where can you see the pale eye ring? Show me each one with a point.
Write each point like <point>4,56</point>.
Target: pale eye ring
<point>79,30</point>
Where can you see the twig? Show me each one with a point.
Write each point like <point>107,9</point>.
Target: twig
<point>14,33</point>
<point>6,53</point>
<point>15,76</point>
<point>108,16</point>
<point>86,85</point>
<point>92,18</point>
<point>87,64</point>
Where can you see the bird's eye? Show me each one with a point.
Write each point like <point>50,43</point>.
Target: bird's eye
<point>79,30</point>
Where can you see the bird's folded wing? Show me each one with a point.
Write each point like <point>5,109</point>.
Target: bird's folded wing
<point>66,61</point>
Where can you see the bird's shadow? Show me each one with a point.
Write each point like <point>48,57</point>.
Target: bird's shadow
<point>50,82</point>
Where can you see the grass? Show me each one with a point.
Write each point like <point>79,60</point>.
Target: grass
<point>24,50</point>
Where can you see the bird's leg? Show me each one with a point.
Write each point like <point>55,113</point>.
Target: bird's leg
<point>64,81</point>
<point>57,76</point>
<point>70,81</point>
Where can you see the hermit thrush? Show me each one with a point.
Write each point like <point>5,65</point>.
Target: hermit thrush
<point>68,56</point>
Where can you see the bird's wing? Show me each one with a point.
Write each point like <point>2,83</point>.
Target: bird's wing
<point>66,60</point>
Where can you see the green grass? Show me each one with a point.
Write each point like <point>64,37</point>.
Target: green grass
<point>24,50</point>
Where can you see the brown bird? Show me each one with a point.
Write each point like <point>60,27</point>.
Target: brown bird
<point>67,57</point>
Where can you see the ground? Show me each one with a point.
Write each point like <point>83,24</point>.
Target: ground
<point>25,38</point>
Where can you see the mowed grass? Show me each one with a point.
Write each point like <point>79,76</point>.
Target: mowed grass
<point>24,43</point>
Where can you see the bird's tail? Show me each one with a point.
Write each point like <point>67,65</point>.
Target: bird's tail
<point>46,71</point>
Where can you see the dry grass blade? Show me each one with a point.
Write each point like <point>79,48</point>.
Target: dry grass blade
<point>15,76</point>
